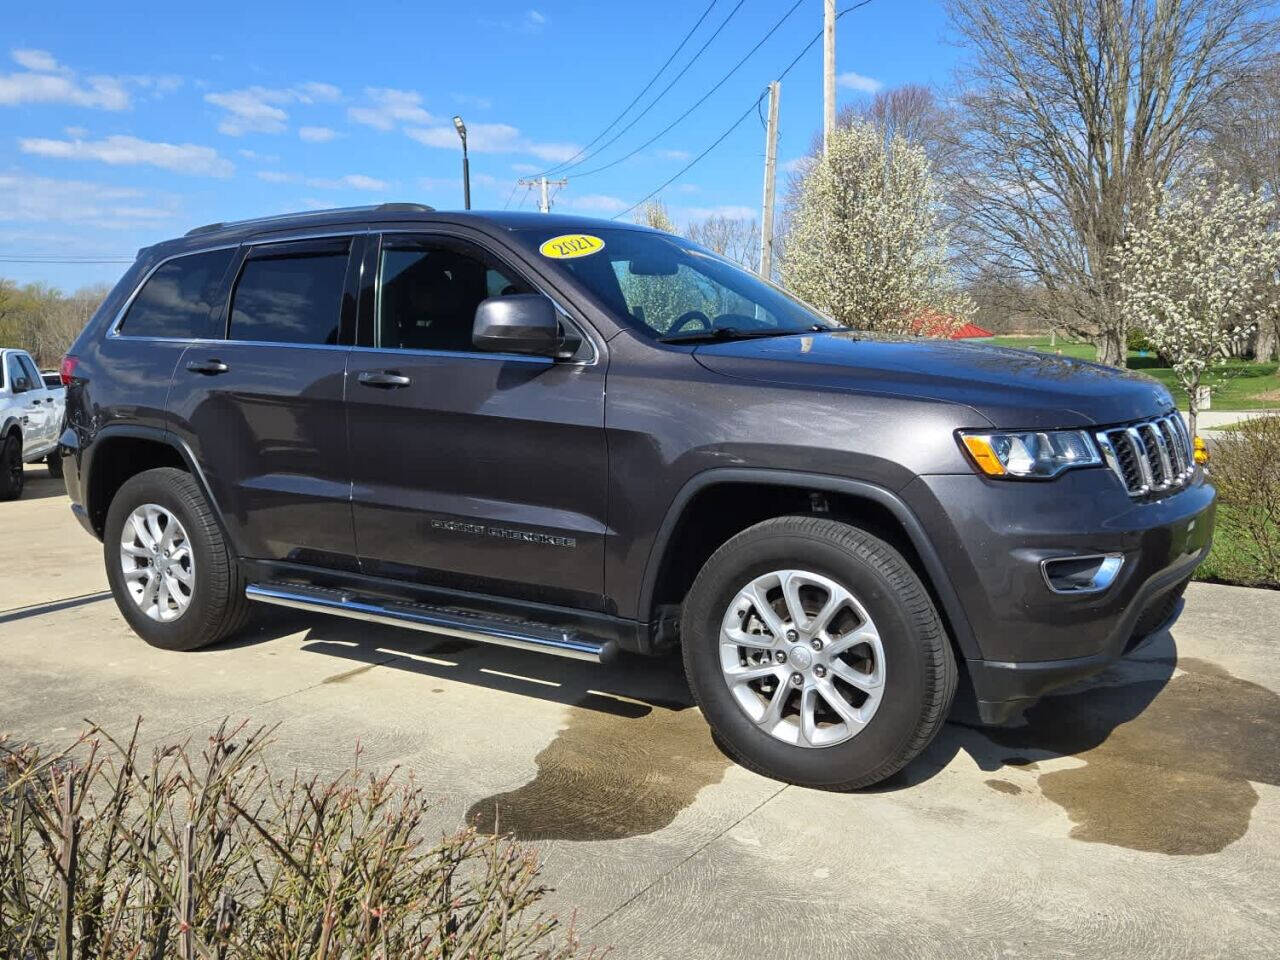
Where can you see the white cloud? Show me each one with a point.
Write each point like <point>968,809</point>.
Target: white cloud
<point>259,157</point>
<point>75,131</point>
<point>531,21</point>
<point>352,181</point>
<point>687,188</point>
<point>130,151</point>
<point>47,81</point>
<point>317,134</point>
<point>492,138</point>
<point>41,61</point>
<point>856,81</point>
<point>798,165</point>
<point>261,109</point>
<point>595,203</point>
<point>674,154</point>
<point>387,107</point>
<point>525,167</point>
<point>44,199</point>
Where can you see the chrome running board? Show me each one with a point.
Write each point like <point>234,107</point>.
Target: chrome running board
<point>449,621</point>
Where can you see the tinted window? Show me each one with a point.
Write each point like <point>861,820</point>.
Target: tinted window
<point>52,380</point>
<point>291,295</point>
<point>429,289</point>
<point>178,299</point>
<point>14,369</point>
<point>31,373</point>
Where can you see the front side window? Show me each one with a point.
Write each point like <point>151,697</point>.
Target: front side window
<point>668,287</point>
<point>178,299</point>
<point>291,293</point>
<point>14,371</point>
<point>429,288</point>
<point>30,372</point>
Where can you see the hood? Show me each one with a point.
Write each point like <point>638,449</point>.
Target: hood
<point>1010,388</point>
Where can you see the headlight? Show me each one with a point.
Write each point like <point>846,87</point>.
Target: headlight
<point>1036,454</point>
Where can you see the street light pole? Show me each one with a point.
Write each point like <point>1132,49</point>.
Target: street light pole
<point>466,164</point>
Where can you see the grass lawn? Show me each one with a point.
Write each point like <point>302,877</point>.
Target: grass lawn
<point>1236,384</point>
<point>1228,562</point>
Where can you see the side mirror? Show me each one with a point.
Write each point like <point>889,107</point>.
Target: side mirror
<point>21,384</point>
<point>520,323</point>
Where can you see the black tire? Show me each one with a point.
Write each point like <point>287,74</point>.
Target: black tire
<point>218,606</point>
<point>12,475</point>
<point>54,462</point>
<point>1155,616</point>
<point>920,668</point>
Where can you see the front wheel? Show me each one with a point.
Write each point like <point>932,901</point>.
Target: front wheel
<point>815,653</point>
<point>171,572</point>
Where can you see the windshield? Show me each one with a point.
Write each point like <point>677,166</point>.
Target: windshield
<point>672,289</point>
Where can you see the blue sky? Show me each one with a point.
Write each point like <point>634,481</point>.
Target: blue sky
<point>124,124</point>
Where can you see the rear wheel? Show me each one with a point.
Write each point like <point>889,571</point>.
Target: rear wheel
<point>12,476</point>
<point>54,463</point>
<point>816,654</point>
<point>171,572</point>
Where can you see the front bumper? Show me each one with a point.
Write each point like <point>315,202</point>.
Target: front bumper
<point>993,535</point>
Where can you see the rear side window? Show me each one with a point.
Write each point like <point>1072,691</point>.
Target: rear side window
<point>178,299</point>
<point>291,293</point>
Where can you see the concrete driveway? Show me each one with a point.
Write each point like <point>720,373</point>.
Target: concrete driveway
<point>1136,816</point>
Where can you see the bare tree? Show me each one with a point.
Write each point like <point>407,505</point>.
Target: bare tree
<point>737,239</point>
<point>1072,110</point>
<point>654,214</point>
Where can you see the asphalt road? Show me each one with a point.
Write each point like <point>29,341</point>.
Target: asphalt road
<point>1135,816</point>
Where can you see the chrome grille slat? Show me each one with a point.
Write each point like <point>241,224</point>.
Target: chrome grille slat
<point>1151,456</point>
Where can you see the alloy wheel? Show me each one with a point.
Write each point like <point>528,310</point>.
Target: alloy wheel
<point>158,563</point>
<point>802,658</point>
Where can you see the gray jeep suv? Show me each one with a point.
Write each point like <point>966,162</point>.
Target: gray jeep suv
<point>581,437</point>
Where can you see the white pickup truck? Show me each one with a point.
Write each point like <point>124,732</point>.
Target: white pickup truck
<point>31,413</point>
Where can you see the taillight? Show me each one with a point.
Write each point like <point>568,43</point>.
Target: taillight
<point>67,369</point>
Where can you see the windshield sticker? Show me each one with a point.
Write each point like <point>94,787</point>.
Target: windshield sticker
<point>571,245</point>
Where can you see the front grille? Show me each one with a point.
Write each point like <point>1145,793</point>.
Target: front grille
<point>1153,456</point>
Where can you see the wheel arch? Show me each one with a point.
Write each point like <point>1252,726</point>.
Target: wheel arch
<point>11,424</point>
<point>118,453</point>
<point>682,543</point>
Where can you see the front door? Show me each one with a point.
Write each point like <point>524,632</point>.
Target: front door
<point>262,410</point>
<point>472,470</point>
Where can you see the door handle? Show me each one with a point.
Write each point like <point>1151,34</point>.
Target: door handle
<point>210,367</point>
<point>385,381</point>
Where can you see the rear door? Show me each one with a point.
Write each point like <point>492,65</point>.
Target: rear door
<point>262,407</point>
<point>472,470</point>
<point>41,400</point>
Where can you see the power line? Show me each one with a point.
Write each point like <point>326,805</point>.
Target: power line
<point>737,123</point>
<point>705,97</point>
<point>674,80</point>
<point>647,86</point>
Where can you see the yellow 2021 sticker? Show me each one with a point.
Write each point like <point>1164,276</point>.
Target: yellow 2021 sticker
<point>571,245</point>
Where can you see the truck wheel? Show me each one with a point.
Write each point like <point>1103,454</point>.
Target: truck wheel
<point>54,462</point>
<point>815,653</point>
<point>170,570</point>
<point>12,476</point>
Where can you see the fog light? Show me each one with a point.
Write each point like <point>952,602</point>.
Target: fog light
<point>1088,574</point>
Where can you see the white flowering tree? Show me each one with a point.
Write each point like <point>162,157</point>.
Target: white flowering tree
<point>867,244</point>
<point>1197,271</point>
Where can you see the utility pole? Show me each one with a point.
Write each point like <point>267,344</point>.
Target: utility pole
<point>542,183</point>
<point>770,179</point>
<point>828,72</point>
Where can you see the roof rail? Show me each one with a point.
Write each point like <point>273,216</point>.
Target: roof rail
<point>382,207</point>
<point>404,208</point>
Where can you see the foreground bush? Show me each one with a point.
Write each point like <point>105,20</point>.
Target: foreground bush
<point>107,853</point>
<point>1246,470</point>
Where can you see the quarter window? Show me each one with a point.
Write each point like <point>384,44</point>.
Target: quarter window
<point>291,293</point>
<point>429,288</point>
<point>178,299</point>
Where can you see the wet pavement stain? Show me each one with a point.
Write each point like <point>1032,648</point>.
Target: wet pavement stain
<point>1167,762</point>
<point>1004,786</point>
<point>607,777</point>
